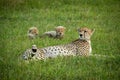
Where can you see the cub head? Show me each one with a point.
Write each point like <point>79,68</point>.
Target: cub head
<point>33,32</point>
<point>60,30</point>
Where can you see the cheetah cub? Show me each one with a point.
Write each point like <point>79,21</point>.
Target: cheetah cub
<point>58,33</point>
<point>32,32</point>
<point>79,47</point>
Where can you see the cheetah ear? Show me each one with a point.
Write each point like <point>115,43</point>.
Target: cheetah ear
<point>29,31</point>
<point>56,28</point>
<point>92,31</point>
<point>78,29</point>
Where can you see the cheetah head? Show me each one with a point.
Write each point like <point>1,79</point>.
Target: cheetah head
<point>34,50</point>
<point>29,53</point>
<point>60,31</point>
<point>33,32</point>
<point>85,33</point>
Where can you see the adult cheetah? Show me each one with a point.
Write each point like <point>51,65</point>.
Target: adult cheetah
<point>81,47</point>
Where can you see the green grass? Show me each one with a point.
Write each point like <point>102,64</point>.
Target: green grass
<point>16,16</point>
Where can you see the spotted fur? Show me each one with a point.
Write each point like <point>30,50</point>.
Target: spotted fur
<point>33,53</point>
<point>80,47</point>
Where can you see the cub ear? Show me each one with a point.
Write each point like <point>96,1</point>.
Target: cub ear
<point>78,29</point>
<point>56,28</point>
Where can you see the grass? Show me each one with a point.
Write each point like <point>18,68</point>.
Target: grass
<point>16,16</point>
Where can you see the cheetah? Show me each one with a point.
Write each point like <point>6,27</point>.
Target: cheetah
<point>33,53</point>
<point>79,47</point>
<point>58,33</point>
<point>32,32</point>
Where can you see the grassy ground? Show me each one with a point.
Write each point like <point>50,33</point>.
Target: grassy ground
<point>16,16</point>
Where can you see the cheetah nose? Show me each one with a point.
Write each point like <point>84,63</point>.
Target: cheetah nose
<point>80,35</point>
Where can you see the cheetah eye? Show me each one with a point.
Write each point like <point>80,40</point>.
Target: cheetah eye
<point>85,31</point>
